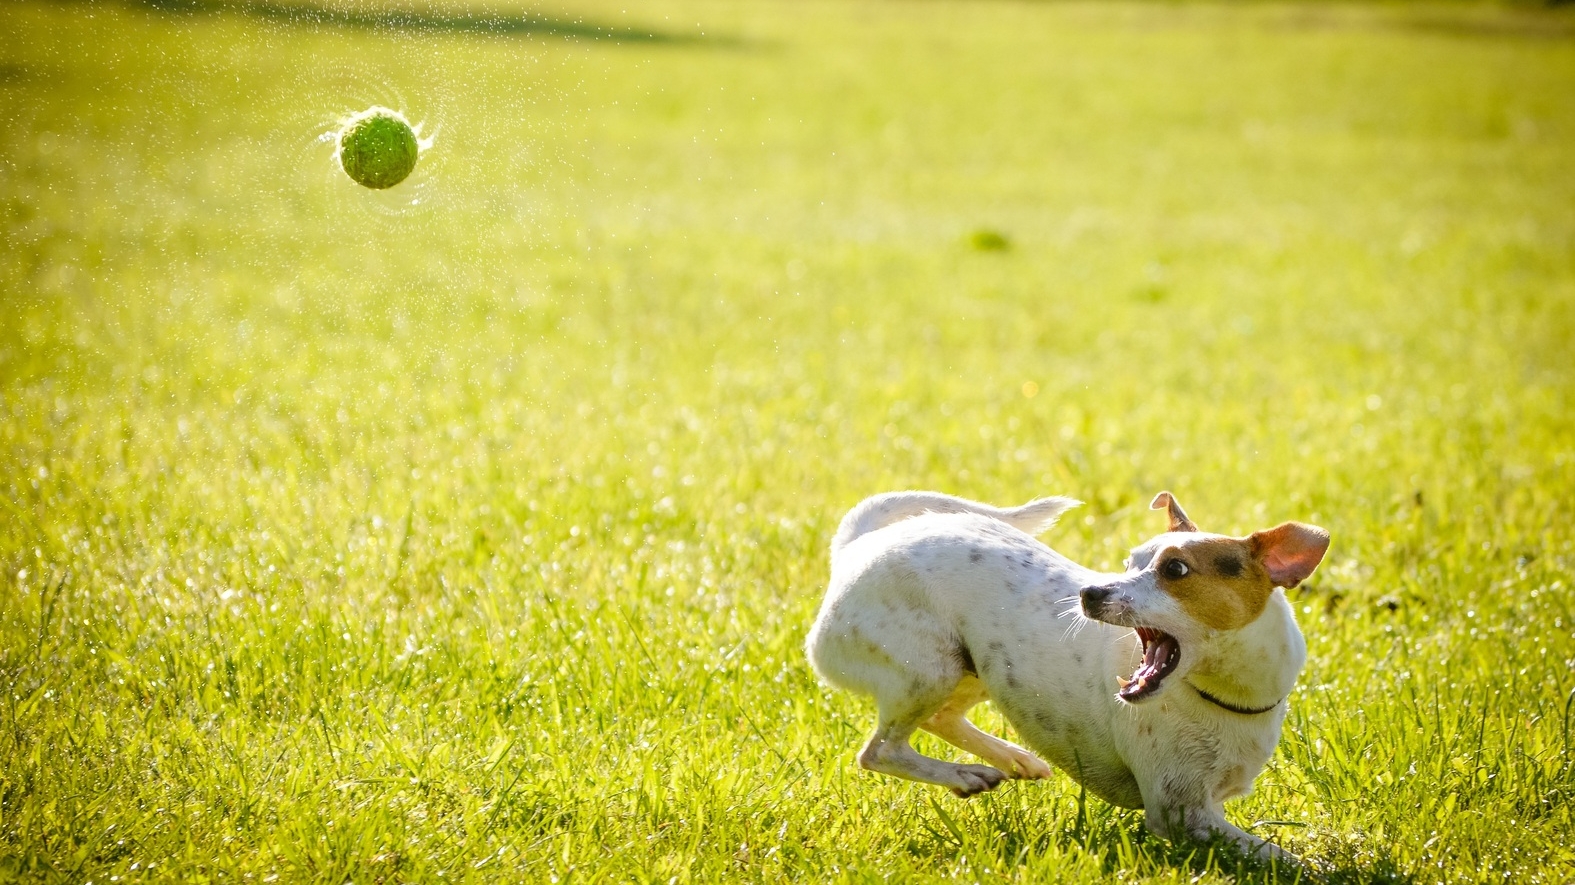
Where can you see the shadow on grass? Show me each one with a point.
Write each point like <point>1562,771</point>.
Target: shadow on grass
<point>454,21</point>
<point>1509,19</point>
<point>1527,26</point>
<point>1220,857</point>
<point>1118,842</point>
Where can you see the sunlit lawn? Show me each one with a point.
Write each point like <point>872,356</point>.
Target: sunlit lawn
<point>470,531</point>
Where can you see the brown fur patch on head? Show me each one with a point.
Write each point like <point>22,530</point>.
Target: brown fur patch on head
<point>1225,587</point>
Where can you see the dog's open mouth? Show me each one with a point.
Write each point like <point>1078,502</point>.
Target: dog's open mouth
<point>1161,653</point>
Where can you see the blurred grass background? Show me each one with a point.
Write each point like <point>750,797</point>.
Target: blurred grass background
<point>472,529</point>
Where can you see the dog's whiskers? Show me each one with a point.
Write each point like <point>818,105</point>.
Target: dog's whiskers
<point>1076,625</point>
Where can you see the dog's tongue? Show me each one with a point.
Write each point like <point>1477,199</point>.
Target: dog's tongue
<point>1157,653</point>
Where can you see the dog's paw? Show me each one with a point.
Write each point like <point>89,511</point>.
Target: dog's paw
<point>1026,766</point>
<point>975,779</point>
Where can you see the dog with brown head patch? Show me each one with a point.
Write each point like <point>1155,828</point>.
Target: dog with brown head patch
<point>1162,687</point>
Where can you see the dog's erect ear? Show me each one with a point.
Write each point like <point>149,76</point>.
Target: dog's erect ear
<point>1178,517</point>
<point>1290,552</point>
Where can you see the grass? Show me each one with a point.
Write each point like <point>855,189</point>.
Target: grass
<point>470,531</point>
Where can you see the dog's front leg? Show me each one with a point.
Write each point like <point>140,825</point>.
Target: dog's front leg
<point>1203,824</point>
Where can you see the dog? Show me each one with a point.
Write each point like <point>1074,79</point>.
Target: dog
<point>937,603</point>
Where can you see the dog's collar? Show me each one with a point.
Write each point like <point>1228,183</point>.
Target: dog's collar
<point>1225,705</point>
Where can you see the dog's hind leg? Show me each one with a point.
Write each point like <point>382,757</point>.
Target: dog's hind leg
<point>889,752</point>
<point>950,723</point>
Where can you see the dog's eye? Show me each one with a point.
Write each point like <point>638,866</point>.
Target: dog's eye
<point>1174,568</point>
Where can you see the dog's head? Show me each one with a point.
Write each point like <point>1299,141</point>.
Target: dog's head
<point>1187,593</point>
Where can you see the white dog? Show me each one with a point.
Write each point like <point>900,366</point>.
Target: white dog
<point>937,603</point>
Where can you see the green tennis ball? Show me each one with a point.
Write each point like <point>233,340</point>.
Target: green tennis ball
<point>377,148</point>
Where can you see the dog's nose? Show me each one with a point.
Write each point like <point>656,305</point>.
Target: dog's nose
<point>1094,598</point>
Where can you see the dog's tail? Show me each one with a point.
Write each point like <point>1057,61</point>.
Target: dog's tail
<point>882,510</point>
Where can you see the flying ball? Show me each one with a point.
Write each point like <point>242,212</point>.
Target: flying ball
<point>378,148</point>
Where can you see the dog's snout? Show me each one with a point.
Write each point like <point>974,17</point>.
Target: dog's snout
<point>1094,598</point>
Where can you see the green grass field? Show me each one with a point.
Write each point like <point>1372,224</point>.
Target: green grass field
<point>469,531</point>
